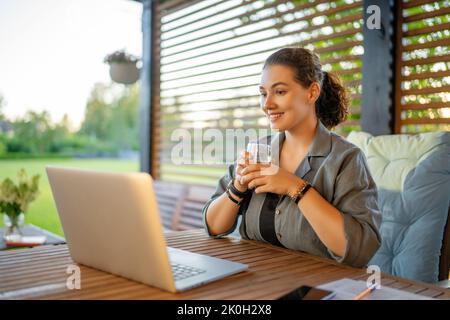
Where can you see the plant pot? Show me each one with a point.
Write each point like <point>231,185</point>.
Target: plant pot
<point>124,72</point>
<point>13,224</point>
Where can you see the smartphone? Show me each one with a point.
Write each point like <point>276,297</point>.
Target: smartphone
<point>308,293</point>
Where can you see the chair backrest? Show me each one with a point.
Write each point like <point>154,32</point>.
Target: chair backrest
<point>168,195</point>
<point>444,262</point>
<point>412,173</point>
<point>181,204</point>
<point>190,215</point>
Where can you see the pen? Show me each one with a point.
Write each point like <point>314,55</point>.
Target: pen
<point>366,292</point>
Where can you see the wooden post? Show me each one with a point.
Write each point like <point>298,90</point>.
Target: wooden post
<point>397,94</point>
<point>146,121</point>
<point>378,87</point>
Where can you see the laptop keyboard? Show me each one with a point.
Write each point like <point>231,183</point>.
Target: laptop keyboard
<point>181,271</point>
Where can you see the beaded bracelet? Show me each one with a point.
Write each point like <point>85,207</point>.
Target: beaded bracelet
<point>301,192</point>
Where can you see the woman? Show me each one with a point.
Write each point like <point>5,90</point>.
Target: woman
<point>319,197</point>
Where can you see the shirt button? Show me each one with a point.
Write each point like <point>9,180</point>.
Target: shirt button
<point>277,212</point>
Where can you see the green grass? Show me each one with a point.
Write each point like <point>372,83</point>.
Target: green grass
<point>42,212</point>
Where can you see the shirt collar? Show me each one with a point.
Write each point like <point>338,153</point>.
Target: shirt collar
<point>320,146</point>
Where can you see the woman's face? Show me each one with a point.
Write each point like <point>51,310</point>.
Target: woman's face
<point>285,102</point>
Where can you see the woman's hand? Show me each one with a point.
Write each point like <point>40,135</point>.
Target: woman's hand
<point>271,178</point>
<point>242,163</point>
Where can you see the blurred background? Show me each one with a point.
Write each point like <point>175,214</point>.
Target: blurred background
<point>58,104</point>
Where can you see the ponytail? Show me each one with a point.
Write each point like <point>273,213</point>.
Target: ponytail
<point>333,103</point>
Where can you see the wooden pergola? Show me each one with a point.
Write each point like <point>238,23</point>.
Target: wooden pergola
<point>381,92</point>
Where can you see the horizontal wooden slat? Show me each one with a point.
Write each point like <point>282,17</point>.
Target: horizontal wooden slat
<point>414,3</point>
<point>427,45</point>
<point>426,121</point>
<point>426,15</point>
<point>340,46</point>
<point>179,7</point>
<point>426,75</point>
<point>427,30</point>
<point>427,90</point>
<point>344,58</point>
<point>177,4</point>
<point>424,106</point>
<point>429,60</point>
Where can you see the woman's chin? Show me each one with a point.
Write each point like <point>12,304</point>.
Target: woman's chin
<point>277,126</point>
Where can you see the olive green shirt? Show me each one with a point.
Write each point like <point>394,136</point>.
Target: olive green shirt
<point>336,169</point>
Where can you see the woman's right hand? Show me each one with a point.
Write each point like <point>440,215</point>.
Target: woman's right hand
<point>242,162</point>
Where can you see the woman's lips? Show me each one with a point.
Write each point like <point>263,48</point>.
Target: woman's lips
<point>275,116</point>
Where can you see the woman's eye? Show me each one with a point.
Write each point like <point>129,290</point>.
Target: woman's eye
<point>262,94</point>
<point>281,92</point>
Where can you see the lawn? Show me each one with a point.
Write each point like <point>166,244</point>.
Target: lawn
<point>42,212</point>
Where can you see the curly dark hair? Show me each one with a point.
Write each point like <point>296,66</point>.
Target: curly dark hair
<point>333,102</point>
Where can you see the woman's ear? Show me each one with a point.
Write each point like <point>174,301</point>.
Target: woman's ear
<point>313,92</point>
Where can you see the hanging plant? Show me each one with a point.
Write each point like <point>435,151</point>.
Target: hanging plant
<point>122,67</point>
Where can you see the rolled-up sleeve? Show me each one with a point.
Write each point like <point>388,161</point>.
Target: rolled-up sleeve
<point>220,189</point>
<point>355,197</point>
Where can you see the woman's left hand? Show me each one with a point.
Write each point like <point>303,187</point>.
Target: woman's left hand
<point>270,179</point>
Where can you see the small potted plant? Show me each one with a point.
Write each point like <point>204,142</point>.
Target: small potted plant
<point>123,68</point>
<point>14,201</point>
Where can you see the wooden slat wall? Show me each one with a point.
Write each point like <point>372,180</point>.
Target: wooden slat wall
<point>423,66</point>
<point>211,54</point>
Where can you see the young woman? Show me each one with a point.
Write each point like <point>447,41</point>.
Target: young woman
<point>319,196</point>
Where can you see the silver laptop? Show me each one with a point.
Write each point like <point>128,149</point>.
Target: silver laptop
<point>111,222</point>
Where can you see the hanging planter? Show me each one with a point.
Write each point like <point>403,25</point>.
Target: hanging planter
<point>122,67</point>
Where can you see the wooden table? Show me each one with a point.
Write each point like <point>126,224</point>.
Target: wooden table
<point>32,230</point>
<point>40,273</point>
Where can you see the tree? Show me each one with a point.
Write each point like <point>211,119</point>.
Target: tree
<point>114,122</point>
<point>61,135</point>
<point>98,114</point>
<point>2,119</point>
<point>124,125</point>
<point>34,132</point>
<point>2,104</point>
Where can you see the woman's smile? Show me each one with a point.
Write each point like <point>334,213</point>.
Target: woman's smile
<point>274,116</point>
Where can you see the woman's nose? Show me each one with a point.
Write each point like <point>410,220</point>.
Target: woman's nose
<point>267,103</point>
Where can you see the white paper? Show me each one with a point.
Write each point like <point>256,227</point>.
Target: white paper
<point>346,289</point>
